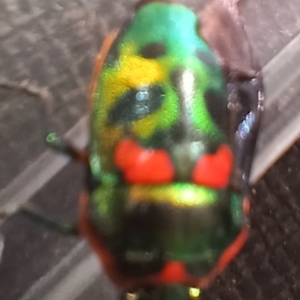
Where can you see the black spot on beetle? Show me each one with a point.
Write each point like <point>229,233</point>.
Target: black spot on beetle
<point>113,55</point>
<point>159,139</point>
<point>92,182</point>
<point>216,104</point>
<point>153,50</point>
<point>136,255</point>
<point>136,104</point>
<point>178,132</point>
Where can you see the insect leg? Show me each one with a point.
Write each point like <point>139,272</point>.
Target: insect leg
<point>245,107</point>
<point>60,145</point>
<point>36,214</point>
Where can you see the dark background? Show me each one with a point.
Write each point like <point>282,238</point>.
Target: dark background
<point>53,44</point>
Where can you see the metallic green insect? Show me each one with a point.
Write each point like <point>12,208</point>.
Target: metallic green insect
<point>176,100</point>
<point>176,103</point>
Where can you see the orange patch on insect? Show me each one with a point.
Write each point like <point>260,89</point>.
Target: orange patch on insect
<point>147,166</point>
<point>214,170</point>
<point>173,272</point>
<point>100,62</point>
<point>246,206</point>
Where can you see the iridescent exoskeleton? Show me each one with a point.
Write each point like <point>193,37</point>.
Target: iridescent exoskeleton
<point>176,101</point>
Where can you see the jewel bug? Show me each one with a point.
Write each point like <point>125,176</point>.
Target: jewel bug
<point>176,101</point>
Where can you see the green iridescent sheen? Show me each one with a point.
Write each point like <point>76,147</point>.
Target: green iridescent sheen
<point>181,37</point>
<point>178,194</point>
<point>238,216</point>
<point>176,28</point>
<point>159,102</point>
<point>103,203</point>
<point>170,108</point>
<point>182,41</point>
<point>51,138</point>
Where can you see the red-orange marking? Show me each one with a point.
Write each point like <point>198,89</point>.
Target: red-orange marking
<point>100,62</point>
<point>143,165</point>
<point>173,272</point>
<point>233,249</point>
<point>246,206</point>
<point>225,258</point>
<point>214,170</point>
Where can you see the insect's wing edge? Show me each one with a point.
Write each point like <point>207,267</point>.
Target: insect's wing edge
<point>222,28</point>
